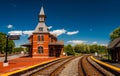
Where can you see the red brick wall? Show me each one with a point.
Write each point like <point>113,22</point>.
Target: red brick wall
<point>44,44</point>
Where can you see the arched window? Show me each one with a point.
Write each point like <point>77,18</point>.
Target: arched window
<point>39,38</point>
<point>40,49</point>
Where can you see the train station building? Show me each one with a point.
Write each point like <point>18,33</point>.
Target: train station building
<point>42,43</point>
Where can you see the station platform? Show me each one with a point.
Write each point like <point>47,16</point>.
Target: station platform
<point>22,62</point>
<point>108,61</point>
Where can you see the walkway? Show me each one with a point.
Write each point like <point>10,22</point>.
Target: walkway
<point>19,63</point>
<point>11,57</point>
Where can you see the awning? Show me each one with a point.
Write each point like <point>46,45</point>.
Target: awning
<point>26,45</point>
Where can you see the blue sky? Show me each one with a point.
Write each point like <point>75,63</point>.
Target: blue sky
<point>74,21</point>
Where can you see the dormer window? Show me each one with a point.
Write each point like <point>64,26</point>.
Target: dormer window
<point>41,29</point>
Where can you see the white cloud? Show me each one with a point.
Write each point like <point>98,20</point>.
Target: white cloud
<point>104,44</point>
<point>72,33</point>
<point>10,26</point>
<point>76,41</point>
<point>28,32</point>
<point>49,27</point>
<point>15,32</point>
<point>95,42</point>
<point>58,32</point>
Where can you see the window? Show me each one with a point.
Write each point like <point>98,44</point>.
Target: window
<point>40,49</point>
<point>39,38</point>
<point>41,29</point>
<point>42,38</point>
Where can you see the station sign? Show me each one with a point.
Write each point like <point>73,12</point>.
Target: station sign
<point>14,37</point>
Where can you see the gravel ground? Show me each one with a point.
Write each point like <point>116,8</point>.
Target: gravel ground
<point>71,69</point>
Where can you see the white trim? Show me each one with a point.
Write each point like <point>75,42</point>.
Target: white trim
<point>40,42</point>
<point>45,48</point>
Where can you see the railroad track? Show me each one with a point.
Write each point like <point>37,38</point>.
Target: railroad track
<point>87,67</point>
<point>50,69</point>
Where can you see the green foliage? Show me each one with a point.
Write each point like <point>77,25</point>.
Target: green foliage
<point>98,48</point>
<point>115,34</point>
<point>18,49</point>
<point>11,44</point>
<point>78,48</point>
<point>2,42</point>
<point>94,48</point>
<point>84,48</point>
<point>69,50</point>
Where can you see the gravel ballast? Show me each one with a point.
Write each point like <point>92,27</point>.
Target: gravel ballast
<point>71,69</point>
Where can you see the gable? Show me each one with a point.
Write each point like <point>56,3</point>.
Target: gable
<point>41,28</point>
<point>114,43</point>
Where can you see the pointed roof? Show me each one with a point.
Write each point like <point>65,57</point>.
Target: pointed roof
<point>115,43</point>
<point>42,11</point>
<point>41,24</point>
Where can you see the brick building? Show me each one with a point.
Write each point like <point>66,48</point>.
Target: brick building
<point>42,43</point>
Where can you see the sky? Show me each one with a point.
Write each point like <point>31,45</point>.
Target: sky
<point>74,21</point>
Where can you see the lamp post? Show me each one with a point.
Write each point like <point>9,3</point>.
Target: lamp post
<point>10,37</point>
<point>6,50</point>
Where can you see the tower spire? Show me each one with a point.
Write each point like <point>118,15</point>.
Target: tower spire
<point>41,27</point>
<point>42,15</point>
<point>42,11</point>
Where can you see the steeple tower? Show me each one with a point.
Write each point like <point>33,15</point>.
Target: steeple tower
<point>41,27</point>
<point>42,15</point>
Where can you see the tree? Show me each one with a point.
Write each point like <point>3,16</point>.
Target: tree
<point>102,49</point>
<point>86,48</point>
<point>11,44</point>
<point>69,50</point>
<point>18,49</point>
<point>82,48</point>
<point>2,42</point>
<point>94,48</point>
<point>77,48</point>
<point>115,34</point>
